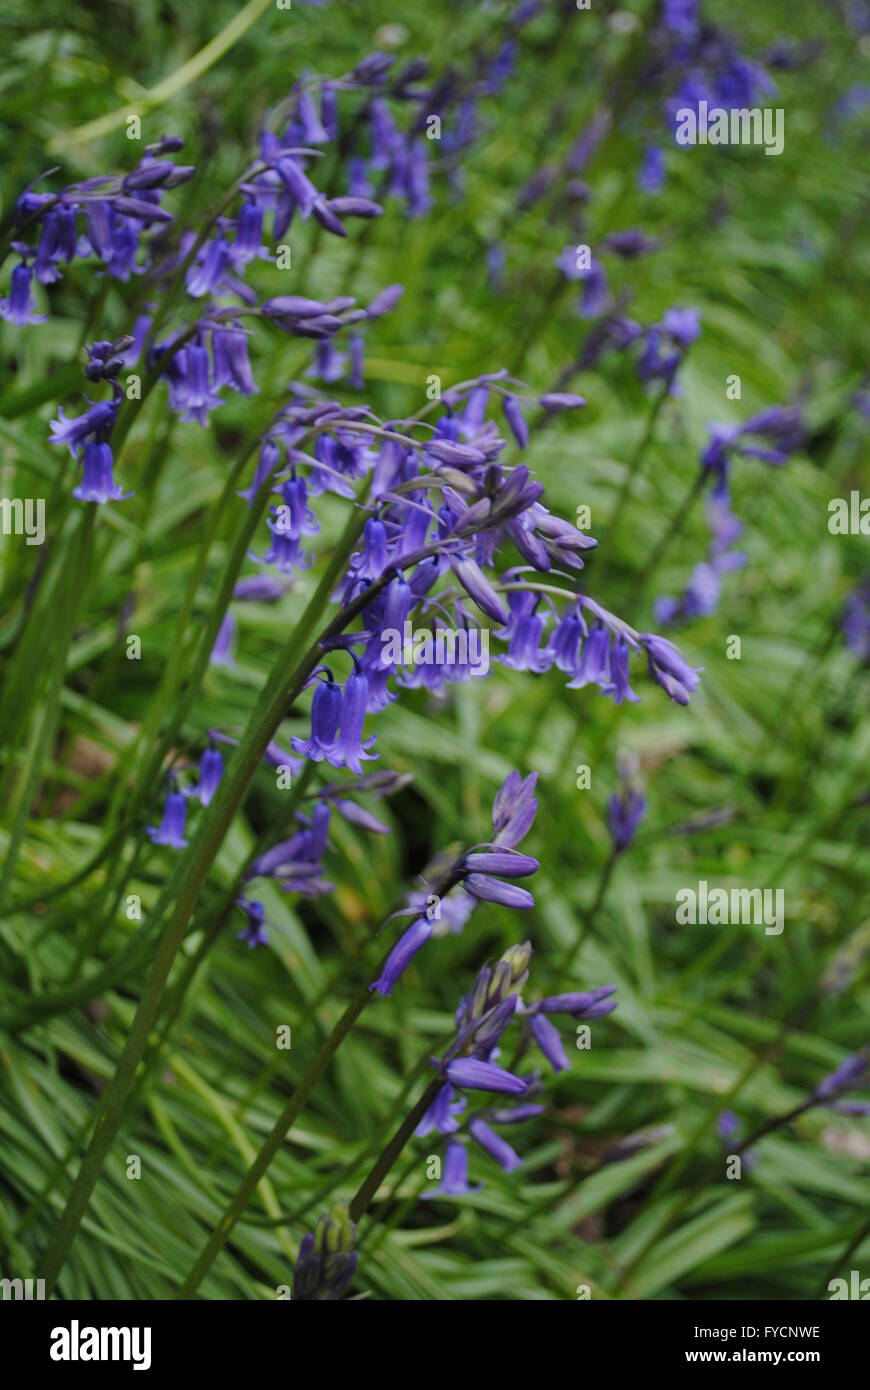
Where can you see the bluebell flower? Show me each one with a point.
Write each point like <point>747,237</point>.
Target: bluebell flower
<point>259,588</point>
<point>328,365</point>
<point>549,1041</point>
<point>454,1180</point>
<point>206,275</point>
<point>298,185</point>
<point>231,367</point>
<point>222,651</point>
<point>850,1075</point>
<point>326,708</point>
<point>507,863</point>
<point>401,955</point>
<point>516,420</point>
<point>98,420</point>
<point>594,664</point>
<point>565,642</point>
<point>285,551</point>
<point>350,748</point>
<point>211,768</point>
<point>630,243</point>
<point>171,829</point>
<point>590,1003</point>
<point>190,391</point>
<point>668,668</point>
<point>525,652</point>
<point>652,170</point>
<point>295,864</point>
<point>470,1073</point>
<point>681,17</point>
<point>20,307</point>
<point>298,519</point>
<point>248,242</point>
<point>619,687</point>
<point>492,890</point>
<point>478,587</point>
<point>442,1113</point>
<point>494,1145</point>
<point>482,1018</point>
<point>313,132</point>
<point>514,809</point>
<point>98,484</point>
<point>255,932</point>
<point>625,811</point>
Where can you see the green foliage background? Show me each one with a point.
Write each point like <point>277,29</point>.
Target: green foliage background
<point>773,254</point>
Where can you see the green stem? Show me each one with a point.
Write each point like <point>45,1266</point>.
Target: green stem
<point>677,522</point>
<point>359,1203</point>
<point>853,1245</point>
<point>279,1131</point>
<point>291,673</point>
<point>635,462</point>
<point>570,960</point>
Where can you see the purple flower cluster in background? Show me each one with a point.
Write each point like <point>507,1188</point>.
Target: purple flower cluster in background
<point>771,435</point>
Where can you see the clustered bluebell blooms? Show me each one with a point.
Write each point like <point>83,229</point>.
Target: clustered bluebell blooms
<point>295,864</point>
<point>665,343</point>
<point>448,516</point>
<point>691,60</point>
<point>410,543</point>
<point>111,219</point>
<point>469,1064</point>
<point>780,432</point>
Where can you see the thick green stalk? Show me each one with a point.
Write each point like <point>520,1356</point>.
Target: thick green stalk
<point>359,1203</point>
<point>292,670</point>
<point>276,1138</point>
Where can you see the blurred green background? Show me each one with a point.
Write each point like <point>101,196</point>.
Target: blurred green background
<point>759,782</point>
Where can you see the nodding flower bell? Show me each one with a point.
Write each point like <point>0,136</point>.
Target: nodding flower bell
<point>98,484</point>
<point>20,307</point>
<point>326,709</point>
<point>255,932</point>
<point>171,829</point>
<point>401,956</point>
<point>483,1016</point>
<point>350,747</point>
<point>211,768</point>
<point>454,1179</point>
